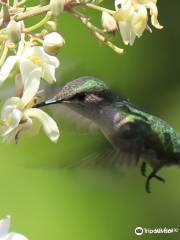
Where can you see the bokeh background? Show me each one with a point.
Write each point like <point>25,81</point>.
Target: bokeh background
<point>50,202</point>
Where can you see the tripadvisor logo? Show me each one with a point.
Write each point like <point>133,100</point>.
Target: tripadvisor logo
<point>139,231</point>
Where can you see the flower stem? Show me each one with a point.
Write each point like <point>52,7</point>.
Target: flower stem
<point>98,33</point>
<point>115,48</point>
<point>46,8</point>
<point>32,13</point>
<point>98,8</point>
<point>39,24</point>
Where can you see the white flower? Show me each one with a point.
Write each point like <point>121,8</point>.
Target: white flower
<point>53,42</point>
<point>108,22</point>
<point>28,59</point>
<point>19,116</point>
<point>132,17</point>
<point>4,229</point>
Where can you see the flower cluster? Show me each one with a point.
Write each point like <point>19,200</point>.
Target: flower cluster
<point>29,54</point>
<point>132,18</point>
<point>29,66</point>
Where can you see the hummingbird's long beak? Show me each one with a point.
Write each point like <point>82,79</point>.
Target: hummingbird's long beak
<point>47,102</point>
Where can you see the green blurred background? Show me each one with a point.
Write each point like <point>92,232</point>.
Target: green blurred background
<point>48,202</point>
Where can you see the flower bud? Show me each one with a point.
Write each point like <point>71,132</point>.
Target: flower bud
<point>57,6</point>
<point>50,26</point>
<point>53,42</point>
<point>14,31</point>
<point>108,22</point>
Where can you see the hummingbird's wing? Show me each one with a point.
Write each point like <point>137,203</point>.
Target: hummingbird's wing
<point>131,137</point>
<point>75,120</point>
<point>104,158</point>
<point>121,153</point>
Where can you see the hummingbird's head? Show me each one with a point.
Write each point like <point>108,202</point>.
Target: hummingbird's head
<point>82,92</point>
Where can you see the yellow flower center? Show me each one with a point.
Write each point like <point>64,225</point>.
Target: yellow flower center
<point>36,60</point>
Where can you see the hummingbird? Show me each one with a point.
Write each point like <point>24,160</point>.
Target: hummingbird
<point>131,131</point>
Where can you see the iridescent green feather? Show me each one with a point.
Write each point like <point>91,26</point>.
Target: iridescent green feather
<point>168,136</point>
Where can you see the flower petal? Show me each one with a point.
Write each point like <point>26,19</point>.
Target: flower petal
<point>154,14</point>
<point>132,38</point>
<point>34,128</point>
<point>11,115</point>
<point>139,21</point>
<point>15,236</point>
<point>20,130</point>
<point>125,30</point>
<point>52,60</point>
<point>31,85</point>
<point>49,73</point>
<point>4,226</point>
<point>9,105</point>
<point>14,134</point>
<point>39,51</point>
<point>26,67</point>
<point>7,68</point>
<point>13,121</point>
<point>49,125</point>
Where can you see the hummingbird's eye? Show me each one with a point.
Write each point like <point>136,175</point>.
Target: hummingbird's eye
<point>79,96</point>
